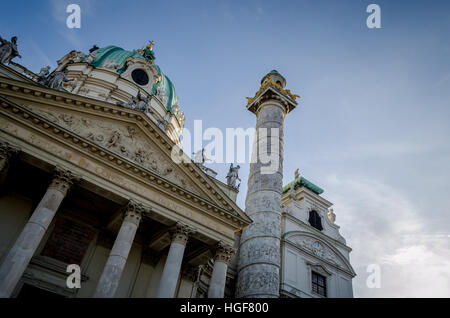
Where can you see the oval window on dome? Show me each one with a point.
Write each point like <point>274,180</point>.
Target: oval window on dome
<point>140,77</point>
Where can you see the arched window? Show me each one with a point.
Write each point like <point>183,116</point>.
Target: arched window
<point>315,220</point>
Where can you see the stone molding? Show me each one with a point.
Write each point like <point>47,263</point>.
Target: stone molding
<point>227,213</point>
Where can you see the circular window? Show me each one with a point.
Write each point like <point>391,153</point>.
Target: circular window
<point>140,77</point>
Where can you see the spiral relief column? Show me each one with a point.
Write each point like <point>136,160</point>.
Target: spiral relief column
<point>259,252</point>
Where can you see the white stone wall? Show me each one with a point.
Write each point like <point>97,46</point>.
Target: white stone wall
<point>297,250</point>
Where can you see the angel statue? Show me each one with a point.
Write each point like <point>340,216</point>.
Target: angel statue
<point>8,50</point>
<point>43,74</point>
<point>233,176</point>
<point>57,79</point>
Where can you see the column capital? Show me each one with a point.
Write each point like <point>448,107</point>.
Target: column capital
<point>180,233</point>
<point>7,151</point>
<point>224,253</point>
<point>134,211</point>
<point>62,180</point>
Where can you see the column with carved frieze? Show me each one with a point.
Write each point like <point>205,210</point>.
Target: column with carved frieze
<point>29,239</point>
<point>112,272</point>
<point>6,153</point>
<point>171,272</point>
<point>259,251</point>
<point>219,275</point>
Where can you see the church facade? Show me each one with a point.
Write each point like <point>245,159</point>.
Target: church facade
<point>87,178</point>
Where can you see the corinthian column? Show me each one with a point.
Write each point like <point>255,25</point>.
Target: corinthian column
<point>171,272</point>
<point>219,274</point>
<point>109,281</point>
<point>23,250</point>
<point>259,252</point>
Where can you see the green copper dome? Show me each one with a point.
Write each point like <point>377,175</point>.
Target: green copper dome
<point>115,55</point>
<point>118,56</point>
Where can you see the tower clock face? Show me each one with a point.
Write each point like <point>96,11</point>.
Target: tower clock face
<point>318,249</point>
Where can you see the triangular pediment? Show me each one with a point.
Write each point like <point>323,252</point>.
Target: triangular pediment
<point>129,134</point>
<point>126,139</point>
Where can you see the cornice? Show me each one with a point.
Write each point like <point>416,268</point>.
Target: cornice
<point>348,270</point>
<point>40,94</point>
<point>314,231</point>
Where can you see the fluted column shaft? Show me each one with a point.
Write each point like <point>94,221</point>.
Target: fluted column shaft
<point>29,239</point>
<point>112,272</point>
<point>219,275</point>
<point>171,272</point>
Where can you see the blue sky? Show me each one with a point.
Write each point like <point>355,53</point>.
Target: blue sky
<point>372,126</point>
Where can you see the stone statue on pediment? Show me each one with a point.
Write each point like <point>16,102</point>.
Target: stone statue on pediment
<point>140,103</point>
<point>8,50</point>
<point>56,80</point>
<point>233,176</point>
<point>43,73</point>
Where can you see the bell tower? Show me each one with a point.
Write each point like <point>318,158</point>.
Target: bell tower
<point>259,252</point>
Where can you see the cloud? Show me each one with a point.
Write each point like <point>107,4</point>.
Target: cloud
<point>383,227</point>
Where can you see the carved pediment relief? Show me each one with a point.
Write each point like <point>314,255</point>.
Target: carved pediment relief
<point>125,139</point>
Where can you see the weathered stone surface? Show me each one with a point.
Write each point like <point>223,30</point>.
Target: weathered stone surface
<point>259,256</point>
<point>109,281</point>
<point>171,272</point>
<point>24,248</point>
<point>261,250</point>
<point>259,280</point>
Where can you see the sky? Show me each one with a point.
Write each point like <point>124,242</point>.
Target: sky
<point>372,126</point>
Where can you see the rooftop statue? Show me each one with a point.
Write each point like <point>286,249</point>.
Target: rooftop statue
<point>296,174</point>
<point>55,80</point>
<point>331,216</point>
<point>233,176</point>
<point>292,192</point>
<point>8,50</point>
<point>141,103</point>
<point>43,74</point>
